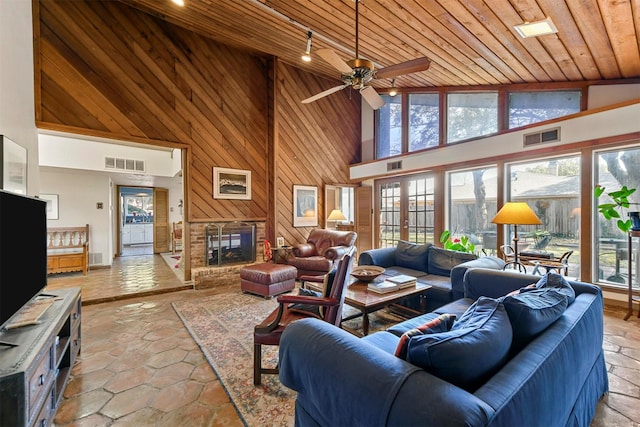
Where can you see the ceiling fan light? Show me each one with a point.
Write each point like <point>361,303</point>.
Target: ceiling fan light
<point>306,57</point>
<point>394,90</point>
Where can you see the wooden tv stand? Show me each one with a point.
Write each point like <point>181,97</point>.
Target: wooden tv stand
<point>36,362</point>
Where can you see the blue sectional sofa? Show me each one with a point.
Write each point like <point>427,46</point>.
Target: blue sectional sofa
<point>554,378</point>
<point>441,268</point>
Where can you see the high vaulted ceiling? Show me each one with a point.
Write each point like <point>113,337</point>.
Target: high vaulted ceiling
<point>469,42</point>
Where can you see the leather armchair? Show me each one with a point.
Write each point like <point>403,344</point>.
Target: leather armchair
<point>323,247</point>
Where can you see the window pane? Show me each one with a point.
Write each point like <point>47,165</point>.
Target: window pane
<point>615,169</point>
<point>424,124</point>
<point>551,188</point>
<point>389,136</point>
<point>420,220</point>
<point>532,107</point>
<point>472,206</point>
<point>389,214</point>
<point>470,115</point>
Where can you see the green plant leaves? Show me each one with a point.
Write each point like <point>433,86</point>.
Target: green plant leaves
<point>613,210</point>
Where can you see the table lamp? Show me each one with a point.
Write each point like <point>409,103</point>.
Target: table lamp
<point>336,215</point>
<point>516,213</point>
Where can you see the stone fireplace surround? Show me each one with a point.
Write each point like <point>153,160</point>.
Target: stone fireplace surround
<point>204,276</point>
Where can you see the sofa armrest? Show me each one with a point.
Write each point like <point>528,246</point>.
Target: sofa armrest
<point>343,380</point>
<point>304,250</point>
<point>336,252</point>
<point>382,257</point>
<point>458,272</point>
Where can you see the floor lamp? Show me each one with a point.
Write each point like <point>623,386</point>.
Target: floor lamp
<point>516,213</point>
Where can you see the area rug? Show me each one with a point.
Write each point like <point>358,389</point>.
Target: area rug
<point>222,325</point>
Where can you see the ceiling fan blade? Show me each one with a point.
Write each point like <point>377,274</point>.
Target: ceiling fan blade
<point>323,94</point>
<point>408,67</point>
<point>333,59</point>
<point>371,96</point>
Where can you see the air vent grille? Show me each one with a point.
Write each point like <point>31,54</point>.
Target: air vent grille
<point>394,166</point>
<point>542,137</point>
<point>124,164</point>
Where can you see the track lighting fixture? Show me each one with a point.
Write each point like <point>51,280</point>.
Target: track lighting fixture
<point>307,53</point>
<point>178,2</point>
<point>394,90</point>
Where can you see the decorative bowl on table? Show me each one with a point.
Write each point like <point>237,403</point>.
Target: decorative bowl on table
<point>366,273</point>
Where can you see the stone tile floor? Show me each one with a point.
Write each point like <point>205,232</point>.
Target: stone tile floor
<point>139,366</point>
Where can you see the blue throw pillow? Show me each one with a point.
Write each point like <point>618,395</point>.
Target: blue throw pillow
<point>472,351</point>
<point>532,312</point>
<point>412,255</point>
<point>558,282</point>
<point>441,261</point>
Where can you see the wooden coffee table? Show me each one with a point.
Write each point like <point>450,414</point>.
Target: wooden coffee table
<point>358,296</point>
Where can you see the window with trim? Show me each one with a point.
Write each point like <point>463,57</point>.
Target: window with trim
<point>424,120</point>
<point>472,205</point>
<point>389,135</point>
<point>470,115</point>
<point>532,107</point>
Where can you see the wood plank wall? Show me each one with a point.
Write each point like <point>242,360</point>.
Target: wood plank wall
<point>109,70</point>
<point>315,142</point>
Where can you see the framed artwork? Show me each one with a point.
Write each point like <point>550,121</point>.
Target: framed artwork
<point>52,205</point>
<point>305,206</point>
<point>231,184</point>
<point>13,166</point>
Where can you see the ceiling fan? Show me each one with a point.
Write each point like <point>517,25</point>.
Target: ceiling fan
<point>358,72</point>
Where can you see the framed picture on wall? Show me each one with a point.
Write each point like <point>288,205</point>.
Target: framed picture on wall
<point>305,206</point>
<point>231,184</point>
<point>13,166</point>
<point>52,205</point>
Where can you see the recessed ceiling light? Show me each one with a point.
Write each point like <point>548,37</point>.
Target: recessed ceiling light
<point>178,2</point>
<point>535,29</point>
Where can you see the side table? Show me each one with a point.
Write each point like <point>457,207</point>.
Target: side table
<point>280,254</point>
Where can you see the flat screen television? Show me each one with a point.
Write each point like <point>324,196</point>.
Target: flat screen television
<point>23,251</point>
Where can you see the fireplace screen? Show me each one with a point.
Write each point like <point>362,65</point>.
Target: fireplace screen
<point>230,243</point>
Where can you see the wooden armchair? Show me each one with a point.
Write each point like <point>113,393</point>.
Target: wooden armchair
<point>176,236</point>
<point>270,330</point>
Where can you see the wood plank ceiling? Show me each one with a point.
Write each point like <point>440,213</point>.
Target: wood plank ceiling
<point>469,42</point>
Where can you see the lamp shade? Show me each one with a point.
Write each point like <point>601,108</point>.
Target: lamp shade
<point>336,215</point>
<point>518,213</point>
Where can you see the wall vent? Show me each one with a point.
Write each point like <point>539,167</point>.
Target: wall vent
<point>394,166</point>
<point>124,164</point>
<point>549,135</point>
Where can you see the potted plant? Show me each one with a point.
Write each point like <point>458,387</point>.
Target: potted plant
<point>613,210</point>
<point>462,244</point>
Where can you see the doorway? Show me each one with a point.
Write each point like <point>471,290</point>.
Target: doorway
<point>136,221</point>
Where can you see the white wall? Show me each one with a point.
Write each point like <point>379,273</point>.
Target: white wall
<point>78,194</point>
<point>17,117</point>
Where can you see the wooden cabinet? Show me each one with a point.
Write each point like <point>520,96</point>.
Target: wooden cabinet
<point>135,234</point>
<point>36,361</point>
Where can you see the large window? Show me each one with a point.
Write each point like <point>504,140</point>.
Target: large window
<point>551,188</point>
<point>472,205</point>
<point>532,107</point>
<point>613,170</point>
<point>424,120</point>
<point>389,135</point>
<point>470,115</point>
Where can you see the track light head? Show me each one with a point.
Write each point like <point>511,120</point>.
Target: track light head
<point>306,57</point>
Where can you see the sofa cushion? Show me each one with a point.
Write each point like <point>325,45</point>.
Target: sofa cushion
<point>558,282</point>
<point>531,312</point>
<point>472,351</point>
<point>412,255</point>
<point>441,261</point>
<point>441,323</point>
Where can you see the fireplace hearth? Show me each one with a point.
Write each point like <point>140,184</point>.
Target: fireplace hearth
<point>230,243</point>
